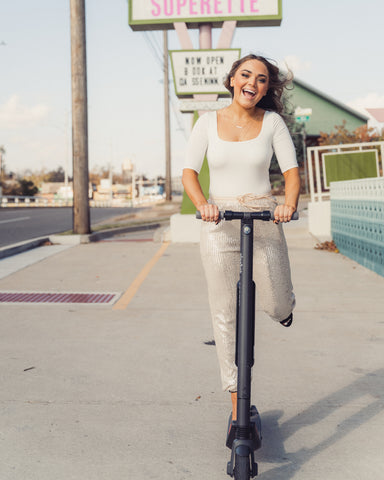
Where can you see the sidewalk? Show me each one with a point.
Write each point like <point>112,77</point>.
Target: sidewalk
<point>131,390</point>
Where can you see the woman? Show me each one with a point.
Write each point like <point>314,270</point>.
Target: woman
<point>239,141</point>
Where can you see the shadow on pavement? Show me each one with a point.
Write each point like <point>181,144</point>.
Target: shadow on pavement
<point>275,434</point>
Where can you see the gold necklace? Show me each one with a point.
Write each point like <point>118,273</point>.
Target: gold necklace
<point>240,126</point>
<point>247,124</point>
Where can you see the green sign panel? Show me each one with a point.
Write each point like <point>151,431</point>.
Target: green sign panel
<point>303,118</point>
<point>349,166</point>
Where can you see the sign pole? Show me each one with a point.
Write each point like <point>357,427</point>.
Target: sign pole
<point>168,178</point>
<point>303,115</point>
<point>205,36</point>
<point>305,159</point>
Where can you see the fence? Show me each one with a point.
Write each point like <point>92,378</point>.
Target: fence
<point>319,208</point>
<point>357,221</point>
<point>19,201</point>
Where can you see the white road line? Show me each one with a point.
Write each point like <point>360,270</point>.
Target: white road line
<point>15,220</point>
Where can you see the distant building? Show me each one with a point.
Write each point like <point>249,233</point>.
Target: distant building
<point>51,188</point>
<point>377,120</point>
<point>177,186</point>
<point>327,112</point>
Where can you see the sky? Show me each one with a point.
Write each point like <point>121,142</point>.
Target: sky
<point>334,45</point>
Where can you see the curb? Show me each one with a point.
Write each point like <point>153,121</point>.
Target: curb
<point>97,236</point>
<point>21,247</point>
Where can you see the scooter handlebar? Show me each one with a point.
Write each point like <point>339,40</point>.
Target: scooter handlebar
<point>264,215</point>
<point>295,216</point>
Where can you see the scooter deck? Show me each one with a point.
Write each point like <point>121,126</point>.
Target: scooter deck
<point>255,433</point>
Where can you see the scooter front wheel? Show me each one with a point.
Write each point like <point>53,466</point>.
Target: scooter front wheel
<point>242,469</point>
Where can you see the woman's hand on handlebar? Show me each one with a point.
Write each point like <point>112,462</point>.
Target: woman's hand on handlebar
<point>283,213</point>
<point>209,212</point>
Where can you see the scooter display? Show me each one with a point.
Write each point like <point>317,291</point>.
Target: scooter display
<point>244,434</point>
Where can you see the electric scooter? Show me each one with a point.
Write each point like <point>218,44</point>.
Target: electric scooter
<point>244,434</point>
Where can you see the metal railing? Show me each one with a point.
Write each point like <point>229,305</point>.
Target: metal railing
<point>316,166</point>
<point>23,201</point>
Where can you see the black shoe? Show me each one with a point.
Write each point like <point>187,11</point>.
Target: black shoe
<point>288,321</point>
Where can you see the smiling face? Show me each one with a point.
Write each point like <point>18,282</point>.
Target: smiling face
<point>250,83</point>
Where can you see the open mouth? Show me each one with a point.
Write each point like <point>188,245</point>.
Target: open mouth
<point>248,93</point>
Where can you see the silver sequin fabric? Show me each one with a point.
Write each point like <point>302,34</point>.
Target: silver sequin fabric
<point>220,254</point>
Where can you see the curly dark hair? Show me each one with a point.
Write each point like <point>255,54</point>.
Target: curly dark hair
<point>277,82</point>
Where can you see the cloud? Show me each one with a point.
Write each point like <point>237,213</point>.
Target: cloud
<point>14,114</point>
<point>296,64</point>
<point>371,100</point>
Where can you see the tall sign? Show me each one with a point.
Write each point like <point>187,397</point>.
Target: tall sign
<point>162,14</point>
<point>202,81</point>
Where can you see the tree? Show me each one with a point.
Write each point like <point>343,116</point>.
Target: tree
<point>27,188</point>
<point>295,129</point>
<point>341,135</point>
<point>57,175</point>
<point>21,187</point>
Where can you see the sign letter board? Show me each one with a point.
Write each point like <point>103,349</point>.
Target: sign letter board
<point>201,71</point>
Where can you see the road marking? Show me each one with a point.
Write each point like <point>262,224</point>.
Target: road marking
<point>15,220</point>
<point>135,285</point>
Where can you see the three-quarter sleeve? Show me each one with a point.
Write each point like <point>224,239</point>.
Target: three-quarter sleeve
<point>197,144</point>
<point>282,145</point>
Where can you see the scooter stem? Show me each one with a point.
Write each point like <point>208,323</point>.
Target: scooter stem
<point>245,328</point>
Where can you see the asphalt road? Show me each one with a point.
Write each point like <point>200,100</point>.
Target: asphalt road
<point>19,224</point>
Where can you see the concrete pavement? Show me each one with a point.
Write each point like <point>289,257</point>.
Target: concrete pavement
<point>100,392</point>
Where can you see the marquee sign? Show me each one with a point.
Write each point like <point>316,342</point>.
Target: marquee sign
<point>161,14</point>
<point>201,71</point>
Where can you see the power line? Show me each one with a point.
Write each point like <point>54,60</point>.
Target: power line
<point>157,44</point>
<point>155,49</point>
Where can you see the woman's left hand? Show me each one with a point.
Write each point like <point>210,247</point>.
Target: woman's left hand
<point>283,213</point>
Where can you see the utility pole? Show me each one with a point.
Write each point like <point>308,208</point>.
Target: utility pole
<point>168,181</point>
<point>81,215</point>
<point>2,152</point>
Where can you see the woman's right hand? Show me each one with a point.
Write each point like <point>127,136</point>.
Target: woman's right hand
<point>209,212</point>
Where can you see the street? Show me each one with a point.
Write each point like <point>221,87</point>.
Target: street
<point>19,224</point>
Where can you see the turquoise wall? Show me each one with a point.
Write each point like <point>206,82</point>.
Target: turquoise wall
<point>357,220</point>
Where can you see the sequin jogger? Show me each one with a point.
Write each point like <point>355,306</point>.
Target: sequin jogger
<point>220,248</point>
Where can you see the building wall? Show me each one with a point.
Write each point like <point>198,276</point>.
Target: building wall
<point>325,113</point>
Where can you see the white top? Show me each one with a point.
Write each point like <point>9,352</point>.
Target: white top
<point>237,168</point>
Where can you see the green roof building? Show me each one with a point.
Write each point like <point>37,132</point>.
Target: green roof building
<point>326,111</point>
